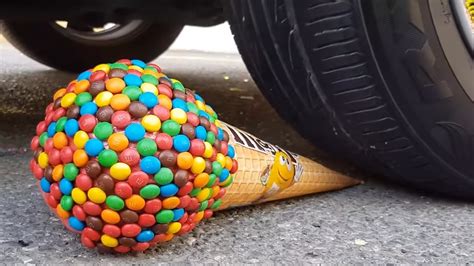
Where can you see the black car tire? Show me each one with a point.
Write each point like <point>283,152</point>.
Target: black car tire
<point>48,44</point>
<point>387,84</point>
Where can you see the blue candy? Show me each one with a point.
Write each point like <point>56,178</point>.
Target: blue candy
<point>202,113</point>
<point>76,224</point>
<point>71,127</point>
<point>150,165</point>
<point>135,132</point>
<point>51,129</point>
<point>148,99</point>
<point>181,143</point>
<point>178,214</point>
<point>93,147</point>
<point>84,75</point>
<point>138,62</point>
<point>224,174</point>
<point>179,103</point>
<point>198,97</point>
<point>145,236</point>
<point>220,134</point>
<point>88,108</point>
<point>168,190</point>
<point>45,185</point>
<point>65,186</point>
<point>201,132</point>
<point>132,80</point>
<point>230,151</point>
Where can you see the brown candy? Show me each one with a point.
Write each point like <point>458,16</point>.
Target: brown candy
<point>94,223</point>
<point>117,73</point>
<point>226,136</point>
<point>189,92</point>
<point>188,130</point>
<point>160,228</point>
<point>181,177</point>
<point>106,183</point>
<point>167,158</point>
<point>179,94</point>
<point>208,168</point>
<point>127,241</point>
<point>48,173</point>
<point>137,109</point>
<point>205,122</point>
<point>72,111</point>
<point>103,249</point>
<point>104,114</point>
<point>217,145</point>
<point>128,216</point>
<point>93,169</point>
<point>57,103</point>
<point>97,87</point>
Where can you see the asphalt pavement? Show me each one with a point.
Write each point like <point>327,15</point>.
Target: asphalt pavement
<point>376,222</point>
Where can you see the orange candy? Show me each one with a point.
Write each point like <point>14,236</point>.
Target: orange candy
<point>115,85</point>
<point>60,140</point>
<point>120,102</point>
<point>110,216</point>
<point>165,101</point>
<point>82,86</point>
<point>80,158</point>
<point>118,142</point>
<point>59,93</point>
<point>201,180</point>
<point>135,203</point>
<point>61,212</point>
<point>215,191</point>
<point>57,173</point>
<point>170,203</point>
<point>199,216</point>
<point>228,163</point>
<point>185,160</point>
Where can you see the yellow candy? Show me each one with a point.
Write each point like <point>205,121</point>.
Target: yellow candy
<point>209,110</point>
<point>137,68</point>
<point>68,99</point>
<point>221,159</point>
<point>148,87</point>
<point>179,115</point>
<point>199,164</point>
<point>59,93</point>
<point>96,195</point>
<point>151,123</point>
<point>103,98</point>
<point>204,194</point>
<point>109,241</point>
<point>200,105</point>
<point>120,171</point>
<point>150,72</point>
<point>103,67</point>
<point>80,139</point>
<point>43,160</point>
<point>228,163</point>
<point>217,123</point>
<point>78,196</point>
<point>174,228</point>
<point>207,150</point>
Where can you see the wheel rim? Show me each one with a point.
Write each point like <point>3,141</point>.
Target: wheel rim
<point>102,35</point>
<point>463,12</point>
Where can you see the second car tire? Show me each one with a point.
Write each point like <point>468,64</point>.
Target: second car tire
<point>369,81</point>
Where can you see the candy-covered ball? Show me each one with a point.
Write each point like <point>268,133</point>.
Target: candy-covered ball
<point>128,157</point>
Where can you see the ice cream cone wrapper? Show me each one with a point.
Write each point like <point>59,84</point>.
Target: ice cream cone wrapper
<point>268,172</point>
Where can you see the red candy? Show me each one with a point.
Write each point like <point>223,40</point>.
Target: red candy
<point>146,220</point>
<point>92,208</point>
<point>121,119</point>
<point>138,179</point>
<point>131,230</point>
<point>153,206</point>
<point>111,230</point>
<point>123,190</point>
<point>130,156</point>
<point>87,123</point>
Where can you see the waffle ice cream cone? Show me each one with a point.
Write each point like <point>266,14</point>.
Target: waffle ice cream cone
<point>267,172</point>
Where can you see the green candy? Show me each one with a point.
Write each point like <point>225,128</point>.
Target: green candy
<point>178,86</point>
<point>211,138</point>
<point>212,119</point>
<point>216,204</point>
<point>103,130</point>
<point>216,168</point>
<point>70,171</point>
<point>150,191</point>
<point>171,127</point>
<point>194,192</point>
<point>66,202</point>
<point>83,98</point>
<point>115,202</point>
<point>203,205</point>
<point>150,68</point>
<point>60,124</point>
<point>192,107</point>
<point>164,216</point>
<point>150,79</point>
<point>164,176</point>
<point>43,138</point>
<point>212,180</point>
<point>227,182</point>
<point>133,92</point>
<point>147,147</point>
<point>119,65</point>
<point>107,158</point>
